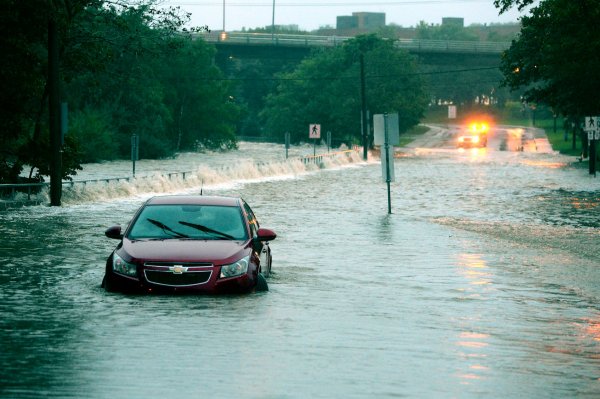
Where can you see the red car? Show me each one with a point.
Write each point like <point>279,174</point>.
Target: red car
<point>190,244</point>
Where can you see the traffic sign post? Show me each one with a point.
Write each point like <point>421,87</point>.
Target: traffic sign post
<point>451,111</point>
<point>387,134</point>
<point>314,132</point>
<point>593,132</point>
<point>135,150</point>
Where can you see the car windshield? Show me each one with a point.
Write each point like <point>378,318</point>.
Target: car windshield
<point>200,222</point>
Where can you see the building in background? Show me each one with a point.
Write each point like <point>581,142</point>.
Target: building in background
<point>458,22</point>
<point>366,21</point>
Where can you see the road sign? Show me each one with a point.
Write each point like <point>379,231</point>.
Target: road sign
<point>451,111</point>
<point>314,131</point>
<point>379,129</point>
<point>591,123</point>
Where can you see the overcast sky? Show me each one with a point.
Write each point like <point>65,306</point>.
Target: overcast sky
<point>312,14</point>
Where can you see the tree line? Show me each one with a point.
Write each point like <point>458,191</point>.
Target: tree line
<point>135,69</point>
<point>125,69</point>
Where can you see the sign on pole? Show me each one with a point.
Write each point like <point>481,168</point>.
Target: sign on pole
<point>379,127</point>
<point>135,150</point>
<point>386,135</point>
<point>591,127</point>
<point>451,111</point>
<point>591,123</point>
<point>593,131</point>
<point>314,131</point>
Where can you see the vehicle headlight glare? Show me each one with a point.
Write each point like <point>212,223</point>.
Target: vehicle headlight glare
<point>122,267</point>
<point>235,269</point>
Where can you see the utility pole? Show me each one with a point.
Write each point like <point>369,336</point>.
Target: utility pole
<point>363,107</point>
<point>54,116</point>
<point>273,23</point>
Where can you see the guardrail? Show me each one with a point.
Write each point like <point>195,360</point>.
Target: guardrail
<point>8,192</point>
<point>417,45</point>
<point>318,159</point>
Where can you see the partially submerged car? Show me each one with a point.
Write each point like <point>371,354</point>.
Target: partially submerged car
<point>190,244</point>
<point>475,136</point>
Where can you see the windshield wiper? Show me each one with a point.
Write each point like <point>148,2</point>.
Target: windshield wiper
<point>207,229</point>
<point>166,228</point>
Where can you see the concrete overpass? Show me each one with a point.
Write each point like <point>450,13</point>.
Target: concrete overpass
<point>254,42</point>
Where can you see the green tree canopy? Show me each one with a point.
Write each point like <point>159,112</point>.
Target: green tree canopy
<point>325,89</point>
<point>126,67</point>
<point>556,57</point>
<point>448,31</point>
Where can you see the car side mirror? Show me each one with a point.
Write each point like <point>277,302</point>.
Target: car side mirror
<point>114,232</point>
<point>262,235</point>
<point>265,235</point>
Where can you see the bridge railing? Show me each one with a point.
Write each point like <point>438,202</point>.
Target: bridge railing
<point>268,39</point>
<point>416,45</point>
<point>454,46</point>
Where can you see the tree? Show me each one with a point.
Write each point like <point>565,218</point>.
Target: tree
<point>505,5</point>
<point>556,57</point>
<point>199,99</point>
<point>448,31</point>
<point>124,70</point>
<point>325,89</point>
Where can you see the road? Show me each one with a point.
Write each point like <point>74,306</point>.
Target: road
<point>483,282</point>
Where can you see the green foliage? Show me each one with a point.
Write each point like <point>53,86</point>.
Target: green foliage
<point>557,56</point>
<point>325,89</point>
<point>33,153</point>
<point>505,5</point>
<point>125,69</point>
<point>445,32</point>
<point>92,130</point>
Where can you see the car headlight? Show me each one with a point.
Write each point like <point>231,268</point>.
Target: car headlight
<point>235,269</point>
<point>122,267</point>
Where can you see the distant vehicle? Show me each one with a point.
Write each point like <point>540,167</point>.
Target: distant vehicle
<point>474,136</point>
<point>190,244</point>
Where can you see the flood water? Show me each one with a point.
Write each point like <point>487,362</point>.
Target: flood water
<point>483,282</point>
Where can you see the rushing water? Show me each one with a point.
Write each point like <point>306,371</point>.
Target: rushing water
<point>483,282</point>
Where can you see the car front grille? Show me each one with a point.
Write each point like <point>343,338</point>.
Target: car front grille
<point>178,275</point>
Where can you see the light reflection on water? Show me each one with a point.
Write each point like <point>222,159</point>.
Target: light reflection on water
<point>476,286</point>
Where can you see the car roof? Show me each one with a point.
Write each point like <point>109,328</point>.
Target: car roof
<point>193,200</point>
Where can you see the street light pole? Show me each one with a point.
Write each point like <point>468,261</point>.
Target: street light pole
<point>223,15</point>
<point>273,23</point>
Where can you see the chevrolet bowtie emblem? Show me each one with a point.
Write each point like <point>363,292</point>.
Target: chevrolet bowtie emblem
<point>178,269</point>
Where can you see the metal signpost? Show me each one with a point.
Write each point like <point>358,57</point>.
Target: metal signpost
<point>135,150</point>
<point>386,135</point>
<point>593,131</point>
<point>314,132</point>
<point>328,140</point>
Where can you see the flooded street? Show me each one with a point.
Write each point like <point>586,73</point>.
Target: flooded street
<point>483,282</point>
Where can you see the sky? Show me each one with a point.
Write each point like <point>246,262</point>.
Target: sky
<point>313,14</point>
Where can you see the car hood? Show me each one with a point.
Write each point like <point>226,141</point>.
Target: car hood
<point>174,250</point>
